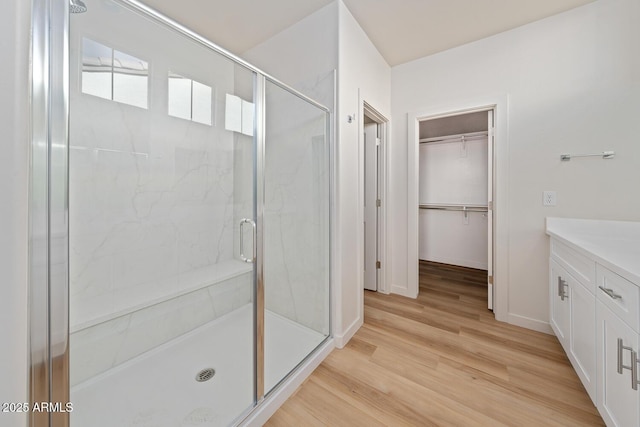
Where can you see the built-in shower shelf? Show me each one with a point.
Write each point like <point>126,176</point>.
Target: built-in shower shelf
<point>93,310</point>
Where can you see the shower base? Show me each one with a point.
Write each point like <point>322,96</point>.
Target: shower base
<point>159,388</point>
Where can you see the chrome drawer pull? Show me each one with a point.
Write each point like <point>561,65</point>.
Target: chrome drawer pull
<point>610,292</point>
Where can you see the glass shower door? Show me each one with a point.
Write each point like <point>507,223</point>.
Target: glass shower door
<point>296,231</point>
<point>161,235</point>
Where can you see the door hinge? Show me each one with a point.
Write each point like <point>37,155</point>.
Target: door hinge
<point>490,280</point>
<point>490,205</point>
<point>378,264</point>
<point>378,203</point>
<point>377,141</point>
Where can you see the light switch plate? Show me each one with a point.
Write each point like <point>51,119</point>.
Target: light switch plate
<point>549,198</point>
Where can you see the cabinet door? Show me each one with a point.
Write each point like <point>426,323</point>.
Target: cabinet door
<point>582,336</point>
<point>618,403</point>
<point>559,303</point>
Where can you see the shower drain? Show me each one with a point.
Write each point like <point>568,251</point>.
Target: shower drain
<point>205,375</point>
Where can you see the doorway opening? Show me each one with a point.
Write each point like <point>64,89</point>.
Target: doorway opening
<point>455,195</point>
<point>373,190</point>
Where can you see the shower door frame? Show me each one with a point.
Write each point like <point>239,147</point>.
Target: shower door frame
<point>49,208</point>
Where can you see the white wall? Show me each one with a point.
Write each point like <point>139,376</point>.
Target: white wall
<point>572,85</point>
<point>14,168</point>
<point>363,75</point>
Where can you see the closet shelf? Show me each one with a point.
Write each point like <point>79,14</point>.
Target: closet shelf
<point>461,208</point>
<point>455,138</point>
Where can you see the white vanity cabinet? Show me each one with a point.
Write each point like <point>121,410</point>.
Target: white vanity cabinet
<point>594,290</point>
<point>617,350</point>
<point>572,306</point>
<point>559,303</point>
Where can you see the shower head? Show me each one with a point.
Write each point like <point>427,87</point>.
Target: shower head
<point>77,6</point>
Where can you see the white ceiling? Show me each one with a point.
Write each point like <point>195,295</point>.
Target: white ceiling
<point>402,30</point>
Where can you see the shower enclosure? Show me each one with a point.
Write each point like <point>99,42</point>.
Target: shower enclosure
<point>186,197</point>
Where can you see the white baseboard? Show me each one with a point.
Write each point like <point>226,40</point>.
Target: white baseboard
<point>397,290</point>
<point>479,265</point>
<point>526,322</point>
<point>278,396</point>
<point>342,339</point>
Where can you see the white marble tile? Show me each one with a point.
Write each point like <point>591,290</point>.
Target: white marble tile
<point>162,322</point>
<point>231,294</point>
<point>103,345</point>
<point>93,350</point>
<point>146,205</point>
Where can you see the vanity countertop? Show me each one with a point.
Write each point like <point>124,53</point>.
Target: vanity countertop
<point>613,244</point>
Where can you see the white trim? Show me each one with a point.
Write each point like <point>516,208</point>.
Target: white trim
<point>276,398</point>
<point>461,262</point>
<point>402,291</point>
<point>526,322</point>
<point>500,105</point>
<point>385,253</point>
<point>383,122</point>
<point>342,339</point>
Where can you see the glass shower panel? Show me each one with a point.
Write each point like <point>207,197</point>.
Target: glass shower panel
<point>161,304</point>
<point>296,231</point>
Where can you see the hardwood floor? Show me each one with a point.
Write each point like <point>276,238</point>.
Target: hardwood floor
<point>441,360</point>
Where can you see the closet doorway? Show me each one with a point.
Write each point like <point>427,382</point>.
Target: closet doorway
<point>373,190</point>
<point>455,229</point>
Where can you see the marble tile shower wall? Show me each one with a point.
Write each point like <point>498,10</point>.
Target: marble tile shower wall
<point>152,219</point>
<point>152,200</point>
<point>149,207</point>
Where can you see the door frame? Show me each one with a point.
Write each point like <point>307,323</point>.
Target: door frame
<point>499,105</point>
<point>382,177</point>
<point>371,209</point>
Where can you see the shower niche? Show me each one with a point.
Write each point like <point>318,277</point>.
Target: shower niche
<point>198,225</point>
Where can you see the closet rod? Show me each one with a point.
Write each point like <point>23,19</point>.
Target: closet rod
<point>454,138</point>
<point>459,208</point>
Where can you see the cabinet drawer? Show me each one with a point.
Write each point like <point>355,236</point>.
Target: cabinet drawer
<point>620,295</point>
<point>578,265</point>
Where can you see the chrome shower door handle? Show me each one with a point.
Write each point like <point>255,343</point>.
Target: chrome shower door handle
<point>244,221</point>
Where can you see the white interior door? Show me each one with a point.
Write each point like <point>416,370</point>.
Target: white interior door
<point>370,206</point>
<point>490,142</point>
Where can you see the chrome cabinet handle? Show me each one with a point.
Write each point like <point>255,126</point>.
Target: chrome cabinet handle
<point>633,367</point>
<point>253,226</point>
<point>621,348</point>
<point>634,370</point>
<point>610,292</point>
<point>561,285</point>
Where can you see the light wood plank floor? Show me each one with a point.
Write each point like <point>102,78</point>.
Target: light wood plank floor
<point>441,360</point>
